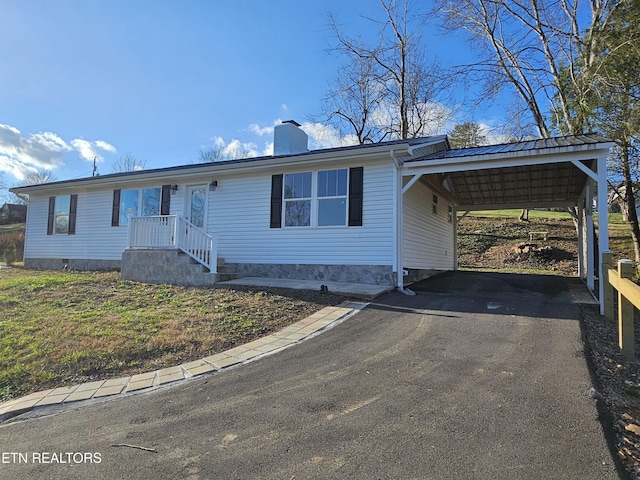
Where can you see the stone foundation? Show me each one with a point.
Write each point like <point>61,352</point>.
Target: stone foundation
<point>164,266</point>
<point>71,263</point>
<point>368,274</point>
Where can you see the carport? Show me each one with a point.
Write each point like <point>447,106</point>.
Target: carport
<point>569,172</point>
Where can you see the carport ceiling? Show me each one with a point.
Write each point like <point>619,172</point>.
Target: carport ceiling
<point>530,185</point>
<point>537,173</point>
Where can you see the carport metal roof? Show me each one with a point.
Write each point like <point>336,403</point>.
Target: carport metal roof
<point>549,172</point>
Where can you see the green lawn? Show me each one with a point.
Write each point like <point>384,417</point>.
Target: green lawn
<point>60,328</point>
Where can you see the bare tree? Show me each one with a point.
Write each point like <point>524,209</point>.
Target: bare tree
<point>36,177</point>
<point>547,52</point>
<point>354,99</point>
<point>534,47</point>
<point>387,90</point>
<point>219,151</point>
<point>211,154</point>
<point>128,163</point>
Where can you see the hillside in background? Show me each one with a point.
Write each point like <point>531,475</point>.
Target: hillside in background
<point>498,240</point>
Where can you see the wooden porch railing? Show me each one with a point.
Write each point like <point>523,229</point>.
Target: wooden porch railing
<point>172,231</point>
<point>618,280</point>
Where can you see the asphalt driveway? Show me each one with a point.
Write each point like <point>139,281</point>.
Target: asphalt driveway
<point>478,376</point>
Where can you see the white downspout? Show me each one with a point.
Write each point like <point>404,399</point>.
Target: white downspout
<point>398,226</point>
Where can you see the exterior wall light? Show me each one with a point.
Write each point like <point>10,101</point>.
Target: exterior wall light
<point>213,185</point>
<point>173,189</point>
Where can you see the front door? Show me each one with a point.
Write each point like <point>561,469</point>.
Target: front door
<point>196,204</point>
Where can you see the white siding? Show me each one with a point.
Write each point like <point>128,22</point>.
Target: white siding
<point>239,218</point>
<point>94,239</point>
<point>428,239</point>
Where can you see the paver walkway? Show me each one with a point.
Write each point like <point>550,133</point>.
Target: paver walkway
<point>286,337</point>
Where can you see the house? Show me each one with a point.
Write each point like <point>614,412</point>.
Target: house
<point>374,213</point>
<point>12,213</point>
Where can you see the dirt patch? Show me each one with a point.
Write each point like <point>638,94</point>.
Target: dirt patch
<point>506,243</point>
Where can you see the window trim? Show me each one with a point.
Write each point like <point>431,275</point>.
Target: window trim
<point>309,199</point>
<point>164,204</point>
<point>71,214</point>
<point>344,197</point>
<point>355,196</point>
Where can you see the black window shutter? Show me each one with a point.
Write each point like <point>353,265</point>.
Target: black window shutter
<point>355,196</point>
<point>115,212</point>
<point>276,201</point>
<point>73,206</point>
<point>165,202</point>
<point>52,209</point>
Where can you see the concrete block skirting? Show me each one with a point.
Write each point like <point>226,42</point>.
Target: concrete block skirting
<point>367,274</point>
<point>71,263</point>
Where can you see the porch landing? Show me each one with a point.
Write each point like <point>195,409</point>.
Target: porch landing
<point>360,290</point>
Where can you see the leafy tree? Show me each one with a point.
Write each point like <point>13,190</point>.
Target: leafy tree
<point>467,134</point>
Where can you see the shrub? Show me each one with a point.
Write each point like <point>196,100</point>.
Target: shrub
<point>10,254</point>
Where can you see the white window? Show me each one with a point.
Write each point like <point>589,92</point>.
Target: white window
<point>144,203</point>
<point>297,199</point>
<point>316,198</point>
<point>332,197</point>
<point>61,214</point>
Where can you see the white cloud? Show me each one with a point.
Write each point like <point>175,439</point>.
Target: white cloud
<point>235,148</point>
<point>262,131</point>
<point>90,150</point>
<point>23,154</point>
<point>326,136</point>
<point>107,147</point>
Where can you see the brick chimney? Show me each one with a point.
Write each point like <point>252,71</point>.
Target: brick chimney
<point>289,138</point>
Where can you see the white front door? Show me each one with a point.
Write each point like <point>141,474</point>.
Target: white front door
<point>196,208</point>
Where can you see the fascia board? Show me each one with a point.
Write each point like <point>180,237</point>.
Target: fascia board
<point>500,161</point>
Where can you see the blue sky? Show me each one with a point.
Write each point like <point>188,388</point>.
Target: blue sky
<point>161,79</point>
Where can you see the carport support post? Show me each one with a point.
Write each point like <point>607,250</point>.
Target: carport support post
<point>625,314</point>
<point>581,269</point>
<point>603,229</point>
<point>607,306</point>
<point>591,283</point>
